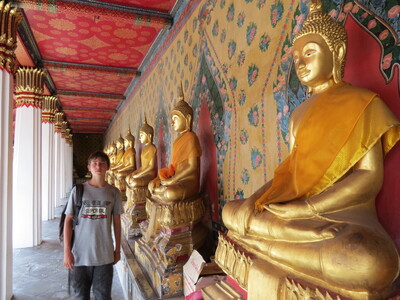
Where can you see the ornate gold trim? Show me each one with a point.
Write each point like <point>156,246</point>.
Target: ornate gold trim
<point>10,17</point>
<point>49,109</point>
<point>59,118</point>
<point>233,260</point>
<point>29,87</point>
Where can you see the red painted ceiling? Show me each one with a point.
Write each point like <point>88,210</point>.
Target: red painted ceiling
<point>92,51</point>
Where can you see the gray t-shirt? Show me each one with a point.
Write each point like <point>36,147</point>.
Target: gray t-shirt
<point>93,244</point>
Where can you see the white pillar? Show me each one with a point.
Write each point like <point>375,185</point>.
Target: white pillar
<point>27,158</point>
<point>48,203</point>
<point>57,158</point>
<point>10,18</point>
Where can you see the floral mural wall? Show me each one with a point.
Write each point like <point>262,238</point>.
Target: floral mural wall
<point>234,61</point>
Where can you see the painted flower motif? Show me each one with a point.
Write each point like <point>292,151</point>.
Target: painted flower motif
<point>224,68</point>
<point>185,60</point>
<point>355,9</point>
<point>384,34</point>
<point>185,36</point>
<point>387,61</point>
<point>222,36</point>
<point>299,21</point>
<point>242,98</point>
<point>256,158</point>
<point>253,116</point>
<point>333,13</point>
<point>288,53</point>
<point>222,3</point>
<point>231,49</point>
<point>178,68</point>
<point>260,4</point>
<point>215,29</point>
<point>244,137</point>
<point>394,11</point>
<point>195,50</point>
<point>341,17</point>
<point>252,74</point>
<point>186,84</point>
<point>251,32</point>
<point>348,7</point>
<point>178,44</point>
<point>276,13</point>
<point>364,15</point>
<point>239,194</point>
<point>240,19</point>
<point>194,24</point>
<point>264,42</point>
<point>233,83</point>
<point>190,41</point>
<point>371,24</point>
<point>241,58</point>
<point>244,176</point>
<point>231,13</point>
<point>190,67</point>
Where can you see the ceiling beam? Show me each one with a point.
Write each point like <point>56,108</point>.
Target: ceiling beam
<point>90,94</point>
<point>57,64</point>
<point>80,119</point>
<point>88,108</point>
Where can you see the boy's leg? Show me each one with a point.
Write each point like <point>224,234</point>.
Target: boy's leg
<point>102,282</point>
<point>81,282</point>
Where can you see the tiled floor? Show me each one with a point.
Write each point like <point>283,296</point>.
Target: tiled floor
<point>38,272</point>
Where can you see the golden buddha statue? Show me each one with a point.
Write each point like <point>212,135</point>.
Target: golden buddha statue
<point>127,163</point>
<point>137,183</point>
<point>119,152</point>
<point>112,155</point>
<point>182,179</point>
<point>175,208</point>
<point>315,221</point>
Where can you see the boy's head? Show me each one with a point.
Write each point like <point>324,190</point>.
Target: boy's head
<point>99,155</point>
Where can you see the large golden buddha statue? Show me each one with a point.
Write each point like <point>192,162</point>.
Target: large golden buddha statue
<point>127,163</point>
<point>137,183</point>
<point>175,208</point>
<point>315,223</point>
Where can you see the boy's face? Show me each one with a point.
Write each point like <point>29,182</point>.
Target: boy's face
<point>97,166</point>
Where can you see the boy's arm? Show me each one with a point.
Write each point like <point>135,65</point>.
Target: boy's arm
<point>117,235</point>
<point>68,256</point>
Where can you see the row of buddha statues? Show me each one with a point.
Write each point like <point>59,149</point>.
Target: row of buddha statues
<point>311,232</point>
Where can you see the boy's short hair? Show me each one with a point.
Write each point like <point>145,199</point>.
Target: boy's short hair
<point>101,155</point>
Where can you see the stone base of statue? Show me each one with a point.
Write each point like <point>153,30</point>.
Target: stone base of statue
<point>135,211</point>
<point>170,235</point>
<point>258,277</point>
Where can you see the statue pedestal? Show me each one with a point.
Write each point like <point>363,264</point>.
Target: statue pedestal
<point>176,231</point>
<point>135,211</point>
<point>260,277</point>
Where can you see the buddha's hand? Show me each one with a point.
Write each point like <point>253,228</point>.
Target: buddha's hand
<point>297,209</point>
<point>168,181</point>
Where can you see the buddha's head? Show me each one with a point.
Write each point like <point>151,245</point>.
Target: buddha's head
<point>129,140</point>
<point>146,133</point>
<point>319,49</point>
<point>182,115</point>
<point>120,143</point>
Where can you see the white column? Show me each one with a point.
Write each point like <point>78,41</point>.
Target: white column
<point>10,18</point>
<point>27,158</point>
<point>57,158</point>
<point>48,203</point>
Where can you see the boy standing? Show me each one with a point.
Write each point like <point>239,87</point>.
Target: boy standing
<point>92,256</point>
